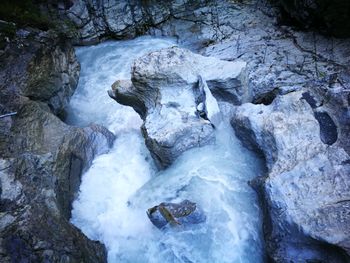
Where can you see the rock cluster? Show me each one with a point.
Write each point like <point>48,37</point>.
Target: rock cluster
<point>42,159</point>
<point>171,90</point>
<point>304,136</point>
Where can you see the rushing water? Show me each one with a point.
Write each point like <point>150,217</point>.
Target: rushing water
<point>122,184</point>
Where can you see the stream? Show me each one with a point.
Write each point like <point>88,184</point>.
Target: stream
<point>121,185</point>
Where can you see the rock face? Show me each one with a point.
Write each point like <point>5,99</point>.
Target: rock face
<point>42,159</point>
<point>46,69</point>
<point>306,188</point>
<point>126,19</point>
<point>171,90</point>
<point>39,185</point>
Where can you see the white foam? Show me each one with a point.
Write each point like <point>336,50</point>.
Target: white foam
<point>119,187</point>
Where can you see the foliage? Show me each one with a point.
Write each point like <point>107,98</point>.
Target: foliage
<point>25,13</point>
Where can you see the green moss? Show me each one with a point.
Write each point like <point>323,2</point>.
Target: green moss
<point>7,29</point>
<point>25,13</point>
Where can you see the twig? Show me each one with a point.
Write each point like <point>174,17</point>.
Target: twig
<point>8,114</point>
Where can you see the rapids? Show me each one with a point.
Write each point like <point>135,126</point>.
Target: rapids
<point>120,185</point>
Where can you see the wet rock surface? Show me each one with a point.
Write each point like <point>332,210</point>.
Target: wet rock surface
<point>171,90</point>
<point>183,214</point>
<point>305,189</point>
<point>279,60</point>
<point>42,158</point>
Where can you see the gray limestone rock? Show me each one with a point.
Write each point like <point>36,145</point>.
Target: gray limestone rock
<point>170,89</point>
<point>305,190</point>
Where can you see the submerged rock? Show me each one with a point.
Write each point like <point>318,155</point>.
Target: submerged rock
<point>183,213</point>
<point>306,188</point>
<point>171,90</point>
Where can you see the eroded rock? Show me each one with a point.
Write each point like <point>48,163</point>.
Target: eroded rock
<point>305,190</point>
<point>39,185</point>
<point>42,158</point>
<point>171,90</point>
<point>127,19</point>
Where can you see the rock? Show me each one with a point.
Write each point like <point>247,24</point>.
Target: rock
<point>277,126</point>
<point>168,88</point>
<point>305,190</point>
<point>74,156</point>
<point>127,19</point>
<point>123,91</point>
<point>176,214</point>
<point>42,67</point>
<point>178,66</point>
<point>315,204</point>
<point>38,187</point>
<point>42,158</point>
<point>31,227</point>
<point>52,76</point>
<point>72,149</point>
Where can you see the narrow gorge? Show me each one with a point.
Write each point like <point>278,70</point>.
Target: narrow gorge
<point>175,131</point>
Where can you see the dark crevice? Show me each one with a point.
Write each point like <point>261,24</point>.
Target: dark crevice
<point>266,98</point>
<point>310,99</point>
<point>328,129</point>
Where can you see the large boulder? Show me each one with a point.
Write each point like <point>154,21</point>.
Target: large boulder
<point>39,185</point>
<point>36,131</point>
<point>172,89</point>
<point>305,192</point>
<point>275,130</point>
<point>41,158</point>
<point>32,229</point>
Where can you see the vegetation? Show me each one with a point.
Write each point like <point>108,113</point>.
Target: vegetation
<point>25,13</point>
<point>41,14</point>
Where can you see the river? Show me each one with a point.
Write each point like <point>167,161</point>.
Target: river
<point>121,185</point>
